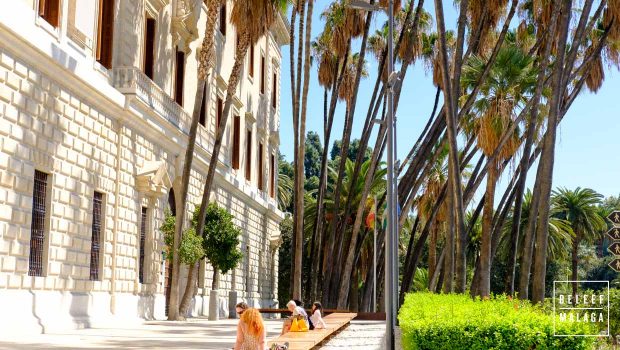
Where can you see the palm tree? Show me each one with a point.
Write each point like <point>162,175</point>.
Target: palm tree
<point>508,85</point>
<point>560,232</point>
<point>285,191</point>
<point>206,61</point>
<point>431,192</point>
<point>580,208</point>
<point>263,15</point>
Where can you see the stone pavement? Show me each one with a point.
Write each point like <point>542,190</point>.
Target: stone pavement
<point>359,335</point>
<point>197,333</point>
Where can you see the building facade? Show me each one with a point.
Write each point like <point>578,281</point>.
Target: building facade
<point>95,106</point>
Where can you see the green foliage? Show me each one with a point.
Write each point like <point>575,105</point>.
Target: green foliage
<point>614,311</point>
<point>167,228</point>
<point>220,238</point>
<point>455,321</point>
<point>421,279</point>
<point>312,156</point>
<point>284,263</point>
<point>351,152</point>
<point>190,249</point>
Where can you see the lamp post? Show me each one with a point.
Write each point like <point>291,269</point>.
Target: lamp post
<point>391,243</point>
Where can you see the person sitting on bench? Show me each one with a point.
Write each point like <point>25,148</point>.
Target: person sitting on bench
<point>296,311</point>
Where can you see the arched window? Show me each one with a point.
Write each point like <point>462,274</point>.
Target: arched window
<point>172,202</point>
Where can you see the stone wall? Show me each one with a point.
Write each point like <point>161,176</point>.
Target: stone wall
<point>60,115</point>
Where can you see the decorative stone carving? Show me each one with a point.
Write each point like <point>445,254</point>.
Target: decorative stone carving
<point>185,21</point>
<point>153,180</point>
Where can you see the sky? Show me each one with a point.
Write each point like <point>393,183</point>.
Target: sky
<point>588,137</point>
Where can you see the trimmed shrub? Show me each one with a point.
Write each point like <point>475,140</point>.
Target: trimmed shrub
<point>456,321</point>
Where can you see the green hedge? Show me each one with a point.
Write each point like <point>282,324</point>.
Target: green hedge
<point>455,321</point>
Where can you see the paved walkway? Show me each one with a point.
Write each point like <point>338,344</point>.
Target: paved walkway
<point>359,335</point>
<point>192,334</point>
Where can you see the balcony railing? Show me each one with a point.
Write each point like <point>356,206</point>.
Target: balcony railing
<point>130,80</point>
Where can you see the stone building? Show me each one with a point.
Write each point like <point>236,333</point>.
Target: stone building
<point>95,104</point>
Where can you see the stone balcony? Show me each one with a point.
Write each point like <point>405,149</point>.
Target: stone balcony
<point>132,81</point>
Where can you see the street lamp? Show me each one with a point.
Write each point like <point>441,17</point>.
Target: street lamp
<point>391,244</point>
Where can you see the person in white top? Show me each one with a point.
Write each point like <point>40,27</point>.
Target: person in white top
<point>316,318</point>
<point>296,311</point>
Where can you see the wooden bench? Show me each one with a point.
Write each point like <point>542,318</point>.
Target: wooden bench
<point>335,322</point>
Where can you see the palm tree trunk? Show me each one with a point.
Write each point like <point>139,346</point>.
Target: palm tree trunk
<point>520,190</point>
<point>189,290</point>
<point>574,266</point>
<point>548,158</point>
<point>344,282</point>
<point>295,117</point>
<point>329,240</point>
<point>528,245</point>
<point>318,225</point>
<point>413,150</point>
<point>432,251</point>
<point>451,121</point>
<point>434,278</point>
<point>484,288</point>
<point>299,190</point>
<point>173,302</point>
<point>206,61</point>
<point>448,282</point>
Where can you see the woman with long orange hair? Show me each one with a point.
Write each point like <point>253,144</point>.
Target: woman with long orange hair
<point>250,331</point>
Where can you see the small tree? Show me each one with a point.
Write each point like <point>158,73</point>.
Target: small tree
<point>190,250</point>
<point>220,241</point>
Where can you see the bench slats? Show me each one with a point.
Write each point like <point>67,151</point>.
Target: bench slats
<point>310,339</point>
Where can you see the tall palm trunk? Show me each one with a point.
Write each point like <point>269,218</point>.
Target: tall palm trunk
<point>319,221</point>
<point>295,107</point>
<point>315,242</point>
<point>344,282</point>
<point>448,281</point>
<point>520,189</point>
<point>548,158</point>
<point>574,266</point>
<point>451,122</point>
<point>300,155</point>
<point>484,288</point>
<point>432,251</point>
<point>241,49</point>
<point>528,245</point>
<point>190,289</point>
<point>205,62</point>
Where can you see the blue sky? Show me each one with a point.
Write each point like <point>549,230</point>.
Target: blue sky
<point>589,135</point>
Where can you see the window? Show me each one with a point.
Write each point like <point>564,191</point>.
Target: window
<point>49,10</point>
<point>172,202</point>
<point>262,74</point>
<point>272,179</point>
<point>223,19</point>
<point>179,77</point>
<point>274,90</point>
<point>96,236</point>
<point>248,156</point>
<point>149,47</point>
<point>220,110</point>
<point>105,33</point>
<point>37,227</point>
<point>203,108</point>
<point>143,223</point>
<point>236,142</point>
<point>261,170</point>
<point>251,72</point>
